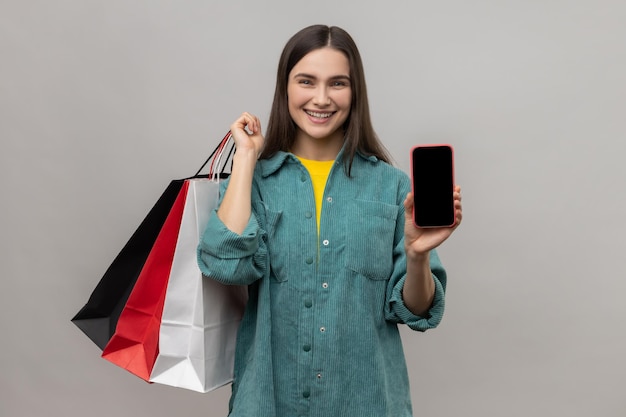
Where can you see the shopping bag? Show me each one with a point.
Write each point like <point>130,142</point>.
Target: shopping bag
<point>204,311</point>
<point>134,345</point>
<point>98,317</point>
<point>200,316</point>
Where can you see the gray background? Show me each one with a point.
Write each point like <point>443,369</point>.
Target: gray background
<point>103,102</point>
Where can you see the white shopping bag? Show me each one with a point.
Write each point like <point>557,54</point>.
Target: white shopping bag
<point>200,316</point>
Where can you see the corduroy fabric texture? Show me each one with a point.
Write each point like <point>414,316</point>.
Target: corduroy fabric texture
<point>321,339</point>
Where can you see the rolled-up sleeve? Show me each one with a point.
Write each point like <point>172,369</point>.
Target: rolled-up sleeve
<point>433,316</point>
<point>231,258</point>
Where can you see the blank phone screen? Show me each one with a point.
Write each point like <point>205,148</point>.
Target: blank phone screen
<point>433,186</point>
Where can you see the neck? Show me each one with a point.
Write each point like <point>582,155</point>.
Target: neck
<point>323,149</point>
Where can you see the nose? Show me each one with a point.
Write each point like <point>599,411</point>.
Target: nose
<point>321,97</point>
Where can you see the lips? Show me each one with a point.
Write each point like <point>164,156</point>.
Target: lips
<point>319,115</point>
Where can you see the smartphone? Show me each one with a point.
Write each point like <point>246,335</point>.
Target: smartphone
<point>432,168</point>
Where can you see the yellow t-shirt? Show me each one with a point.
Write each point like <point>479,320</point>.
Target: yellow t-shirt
<point>319,172</point>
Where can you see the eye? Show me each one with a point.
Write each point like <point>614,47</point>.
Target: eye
<point>339,84</point>
<point>305,82</point>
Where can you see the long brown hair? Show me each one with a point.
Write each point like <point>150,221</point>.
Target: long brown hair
<point>359,132</point>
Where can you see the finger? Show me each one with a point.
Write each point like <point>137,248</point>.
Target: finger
<point>240,123</point>
<point>252,122</point>
<point>408,202</point>
<point>248,122</point>
<point>256,124</point>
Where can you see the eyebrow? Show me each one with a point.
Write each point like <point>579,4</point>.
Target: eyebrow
<point>335,77</point>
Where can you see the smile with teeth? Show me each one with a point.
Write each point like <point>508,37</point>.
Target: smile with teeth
<point>318,115</point>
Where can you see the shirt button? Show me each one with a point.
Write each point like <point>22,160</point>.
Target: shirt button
<point>306,348</point>
<point>322,329</point>
<point>325,242</point>
<point>329,199</point>
<point>325,285</point>
<point>319,376</point>
<point>303,178</point>
<point>308,303</point>
<point>306,394</point>
<point>309,260</point>
<point>308,214</point>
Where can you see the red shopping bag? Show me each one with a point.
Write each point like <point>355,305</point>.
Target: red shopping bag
<point>134,345</point>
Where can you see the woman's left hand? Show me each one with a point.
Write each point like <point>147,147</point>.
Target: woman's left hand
<point>421,240</point>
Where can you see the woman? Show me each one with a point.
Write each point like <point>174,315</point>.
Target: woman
<point>318,224</point>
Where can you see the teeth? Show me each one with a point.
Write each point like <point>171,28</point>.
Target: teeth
<point>319,115</point>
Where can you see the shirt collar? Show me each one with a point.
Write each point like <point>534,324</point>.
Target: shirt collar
<point>273,164</point>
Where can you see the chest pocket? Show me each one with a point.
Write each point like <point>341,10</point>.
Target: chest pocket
<point>370,231</point>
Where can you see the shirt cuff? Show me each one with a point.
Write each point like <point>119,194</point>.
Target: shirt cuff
<point>430,319</point>
<point>220,242</point>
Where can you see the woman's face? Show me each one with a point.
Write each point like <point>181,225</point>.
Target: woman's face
<point>319,95</point>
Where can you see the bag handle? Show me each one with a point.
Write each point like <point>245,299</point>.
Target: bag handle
<point>216,155</point>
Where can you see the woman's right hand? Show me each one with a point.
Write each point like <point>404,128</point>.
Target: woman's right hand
<point>236,207</point>
<point>246,132</point>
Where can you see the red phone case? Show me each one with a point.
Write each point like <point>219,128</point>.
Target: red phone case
<point>413,182</point>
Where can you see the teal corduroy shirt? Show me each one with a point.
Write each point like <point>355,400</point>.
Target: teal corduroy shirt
<point>319,336</point>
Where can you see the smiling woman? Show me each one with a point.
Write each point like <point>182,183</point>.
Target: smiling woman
<point>319,227</point>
